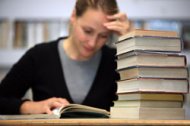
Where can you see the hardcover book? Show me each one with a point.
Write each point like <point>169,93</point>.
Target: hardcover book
<point>144,96</point>
<point>153,72</point>
<point>149,40</point>
<point>149,44</point>
<point>149,33</point>
<point>143,58</point>
<point>152,85</point>
<point>148,113</point>
<point>148,103</point>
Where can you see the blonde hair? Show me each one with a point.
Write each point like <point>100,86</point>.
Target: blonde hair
<point>107,6</point>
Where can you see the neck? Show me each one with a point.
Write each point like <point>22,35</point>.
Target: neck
<point>71,50</point>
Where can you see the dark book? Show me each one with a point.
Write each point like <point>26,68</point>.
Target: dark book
<point>143,96</point>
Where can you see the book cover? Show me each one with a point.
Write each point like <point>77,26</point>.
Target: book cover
<point>151,96</point>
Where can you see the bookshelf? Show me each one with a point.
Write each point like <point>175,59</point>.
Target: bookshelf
<point>21,34</point>
<point>31,19</point>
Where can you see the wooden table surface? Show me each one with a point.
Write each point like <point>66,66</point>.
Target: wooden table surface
<point>92,122</point>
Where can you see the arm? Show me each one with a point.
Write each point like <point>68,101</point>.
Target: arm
<point>15,84</point>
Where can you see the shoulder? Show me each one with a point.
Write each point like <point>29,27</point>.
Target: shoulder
<point>44,48</point>
<point>42,52</point>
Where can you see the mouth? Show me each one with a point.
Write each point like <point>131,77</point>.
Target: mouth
<point>88,49</point>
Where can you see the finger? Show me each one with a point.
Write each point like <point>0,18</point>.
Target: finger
<point>116,29</point>
<point>118,16</point>
<point>55,105</point>
<point>119,27</point>
<point>117,23</point>
<point>57,102</point>
<point>63,101</point>
<point>48,111</point>
<point>60,100</point>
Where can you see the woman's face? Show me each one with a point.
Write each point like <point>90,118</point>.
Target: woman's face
<point>88,32</point>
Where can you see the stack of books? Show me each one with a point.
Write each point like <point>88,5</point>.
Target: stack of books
<point>153,76</point>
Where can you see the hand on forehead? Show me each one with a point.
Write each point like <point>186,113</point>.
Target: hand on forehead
<point>118,23</point>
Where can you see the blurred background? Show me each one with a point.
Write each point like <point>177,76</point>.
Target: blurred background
<point>24,23</point>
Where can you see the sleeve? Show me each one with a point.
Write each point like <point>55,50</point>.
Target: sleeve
<point>16,83</point>
<point>116,78</point>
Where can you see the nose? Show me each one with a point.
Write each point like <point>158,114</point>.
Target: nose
<point>92,42</point>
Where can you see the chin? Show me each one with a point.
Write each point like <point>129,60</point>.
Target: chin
<point>87,56</point>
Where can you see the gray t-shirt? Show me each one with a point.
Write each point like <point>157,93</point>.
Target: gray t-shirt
<point>79,75</point>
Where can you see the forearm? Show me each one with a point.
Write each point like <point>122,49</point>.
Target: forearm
<point>41,107</point>
<point>28,107</point>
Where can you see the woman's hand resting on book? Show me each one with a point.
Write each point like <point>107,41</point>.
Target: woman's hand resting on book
<point>41,107</point>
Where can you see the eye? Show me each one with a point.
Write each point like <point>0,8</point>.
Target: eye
<point>87,31</point>
<point>104,36</point>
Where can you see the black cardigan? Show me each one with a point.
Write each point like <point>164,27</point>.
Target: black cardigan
<point>40,69</point>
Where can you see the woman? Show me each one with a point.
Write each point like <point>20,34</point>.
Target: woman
<point>78,69</point>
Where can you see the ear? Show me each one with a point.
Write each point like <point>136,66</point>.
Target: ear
<point>73,16</point>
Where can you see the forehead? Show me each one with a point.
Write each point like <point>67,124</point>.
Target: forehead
<point>94,18</point>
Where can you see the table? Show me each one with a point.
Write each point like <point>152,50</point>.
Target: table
<point>93,122</point>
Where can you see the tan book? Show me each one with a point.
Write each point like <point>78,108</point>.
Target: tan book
<point>142,58</point>
<point>149,44</point>
<point>153,72</point>
<point>149,40</point>
<point>20,34</point>
<point>147,113</point>
<point>5,27</point>
<point>152,33</point>
<point>151,96</point>
<point>152,85</point>
<point>148,103</point>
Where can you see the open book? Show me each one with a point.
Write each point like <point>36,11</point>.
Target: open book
<point>70,111</point>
